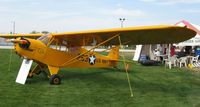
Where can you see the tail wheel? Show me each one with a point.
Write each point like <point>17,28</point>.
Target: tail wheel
<point>55,79</point>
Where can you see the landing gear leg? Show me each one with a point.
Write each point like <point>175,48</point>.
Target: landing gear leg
<point>30,74</point>
<point>36,70</point>
<point>54,78</point>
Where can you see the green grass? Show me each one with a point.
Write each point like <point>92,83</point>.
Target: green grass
<point>152,86</point>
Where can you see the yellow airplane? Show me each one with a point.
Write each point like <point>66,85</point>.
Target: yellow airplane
<point>67,50</point>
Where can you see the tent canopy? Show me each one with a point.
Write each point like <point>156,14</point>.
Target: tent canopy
<point>195,41</point>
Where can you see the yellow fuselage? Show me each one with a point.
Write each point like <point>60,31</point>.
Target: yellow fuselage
<point>72,57</point>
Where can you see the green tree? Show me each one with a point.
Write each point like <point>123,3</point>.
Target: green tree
<point>34,32</point>
<point>45,32</point>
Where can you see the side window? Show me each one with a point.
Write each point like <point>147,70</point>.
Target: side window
<point>45,39</point>
<point>59,45</point>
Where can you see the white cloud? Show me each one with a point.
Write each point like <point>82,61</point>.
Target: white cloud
<point>72,16</point>
<point>148,0</point>
<point>191,11</point>
<point>172,2</point>
<point>119,5</point>
<point>121,12</point>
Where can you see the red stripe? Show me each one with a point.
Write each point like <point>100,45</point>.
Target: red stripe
<point>23,41</point>
<point>189,26</point>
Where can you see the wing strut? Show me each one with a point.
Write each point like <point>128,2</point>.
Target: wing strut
<point>125,65</point>
<point>126,68</point>
<point>73,59</point>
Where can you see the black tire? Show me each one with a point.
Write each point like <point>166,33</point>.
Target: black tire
<point>55,79</point>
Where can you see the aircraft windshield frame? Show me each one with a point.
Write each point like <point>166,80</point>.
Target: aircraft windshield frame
<point>45,39</point>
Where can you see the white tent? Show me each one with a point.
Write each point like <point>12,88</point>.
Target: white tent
<point>195,41</point>
<point>191,42</point>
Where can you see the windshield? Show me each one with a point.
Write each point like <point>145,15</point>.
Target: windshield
<point>45,39</point>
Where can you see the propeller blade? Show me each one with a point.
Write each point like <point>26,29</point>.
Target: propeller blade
<point>24,70</point>
<point>20,41</point>
<point>9,40</point>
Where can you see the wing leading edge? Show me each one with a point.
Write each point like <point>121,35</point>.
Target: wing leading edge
<point>160,34</point>
<point>20,35</point>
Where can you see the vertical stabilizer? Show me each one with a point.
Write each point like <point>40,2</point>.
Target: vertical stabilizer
<point>114,53</point>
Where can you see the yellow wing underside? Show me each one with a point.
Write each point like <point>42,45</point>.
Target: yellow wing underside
<point>160,34</point>
<point>130,36</point>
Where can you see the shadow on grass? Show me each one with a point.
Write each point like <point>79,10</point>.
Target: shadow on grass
<point>113,78</point>
<point>101,77</point>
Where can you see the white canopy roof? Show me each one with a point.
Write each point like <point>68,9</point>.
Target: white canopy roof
<point>195,41</point>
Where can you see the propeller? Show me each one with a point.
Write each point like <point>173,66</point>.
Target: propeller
<point>21,41</point>
<point>26,64</point>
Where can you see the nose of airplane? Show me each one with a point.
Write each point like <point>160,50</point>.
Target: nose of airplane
<point>23,43</point>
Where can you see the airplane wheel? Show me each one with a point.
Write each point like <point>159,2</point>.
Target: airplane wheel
<point>55,79</point>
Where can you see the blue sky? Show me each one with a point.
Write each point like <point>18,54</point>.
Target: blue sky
<point>76,15</point>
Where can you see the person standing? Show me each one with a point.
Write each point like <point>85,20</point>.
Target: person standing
<point>188,50</point>
<point>172,50</point>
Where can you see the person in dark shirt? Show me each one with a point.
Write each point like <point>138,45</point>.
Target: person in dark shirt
<point>188,50</point>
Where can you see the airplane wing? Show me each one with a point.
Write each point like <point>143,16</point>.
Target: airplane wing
<point>160,34</point>
<point>20,35</point>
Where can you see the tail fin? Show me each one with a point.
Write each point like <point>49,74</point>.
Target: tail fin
<point>114,53</point>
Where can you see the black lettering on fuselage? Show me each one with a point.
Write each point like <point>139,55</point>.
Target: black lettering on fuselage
<point>104,61</point>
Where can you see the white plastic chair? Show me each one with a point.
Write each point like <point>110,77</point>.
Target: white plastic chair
<point>171,61</point>
<point>196,64</point>
<point>195,59</point>
<point>182,61</point>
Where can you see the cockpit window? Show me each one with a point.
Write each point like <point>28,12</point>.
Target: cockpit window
<point>45,39</point>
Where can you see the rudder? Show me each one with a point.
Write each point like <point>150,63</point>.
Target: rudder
<point>114,53</point>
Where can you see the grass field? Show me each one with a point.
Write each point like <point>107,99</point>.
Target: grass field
<point>152,87</point>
